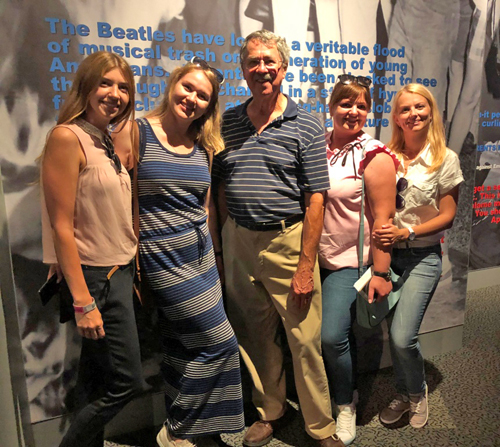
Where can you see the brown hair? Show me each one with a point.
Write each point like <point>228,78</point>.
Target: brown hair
<point>87,78</point>
<point>351,91</point>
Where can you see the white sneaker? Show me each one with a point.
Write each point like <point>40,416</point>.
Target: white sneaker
<point>419,409</point>
<point>346,423</point>
<point>163,439</point>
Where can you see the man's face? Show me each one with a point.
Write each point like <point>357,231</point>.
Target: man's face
<point>263,68</point>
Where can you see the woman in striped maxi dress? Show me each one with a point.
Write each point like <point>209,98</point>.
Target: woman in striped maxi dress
<point>200,353</point>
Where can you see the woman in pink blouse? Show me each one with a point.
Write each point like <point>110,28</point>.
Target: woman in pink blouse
<point>351,153</point>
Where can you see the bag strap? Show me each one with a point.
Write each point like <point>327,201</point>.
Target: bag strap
<point>361,234</point>
<point>210,161</point>
<point>135,194</point>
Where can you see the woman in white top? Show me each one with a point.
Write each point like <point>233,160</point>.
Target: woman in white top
<point>429,176</point>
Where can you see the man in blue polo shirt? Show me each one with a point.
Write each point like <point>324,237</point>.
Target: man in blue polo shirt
<point>272,177</point>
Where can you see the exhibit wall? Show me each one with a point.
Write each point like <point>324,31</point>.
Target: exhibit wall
<point>450,46</point>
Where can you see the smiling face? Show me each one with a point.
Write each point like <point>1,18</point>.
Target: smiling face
<point>412,113</point>
<point>263,68</point>
<point>190,97</point>
<point>108,100</point>
<point>349,116</point>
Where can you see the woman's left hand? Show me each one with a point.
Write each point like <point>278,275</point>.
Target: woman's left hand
<point>389,235</point>
<point>378,289</point>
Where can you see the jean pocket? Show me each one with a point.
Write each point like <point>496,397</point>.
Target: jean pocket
<point>97,282</point>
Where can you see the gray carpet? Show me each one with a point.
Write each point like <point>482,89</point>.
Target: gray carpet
<point>464,394</point>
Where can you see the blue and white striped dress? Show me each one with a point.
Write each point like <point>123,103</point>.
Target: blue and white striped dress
<point>200,353</point>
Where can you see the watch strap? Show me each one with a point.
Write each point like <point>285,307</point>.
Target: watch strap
<point>412,235</point>
<point>385,275</point>
<point>85,309</point>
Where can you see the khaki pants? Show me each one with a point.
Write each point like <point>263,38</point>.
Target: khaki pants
<point>259,266</point>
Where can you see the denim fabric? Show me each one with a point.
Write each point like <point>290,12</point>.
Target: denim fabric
<point>422,269</point>
<point>337,338</point>
<point>109,374</point>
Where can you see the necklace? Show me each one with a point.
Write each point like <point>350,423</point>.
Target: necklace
<point>104,139</point>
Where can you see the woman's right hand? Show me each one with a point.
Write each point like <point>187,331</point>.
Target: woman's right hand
<point>90,325</point>
<point>55,268</point>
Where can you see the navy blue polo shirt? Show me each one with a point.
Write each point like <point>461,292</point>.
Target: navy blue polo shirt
<point>266,175</point>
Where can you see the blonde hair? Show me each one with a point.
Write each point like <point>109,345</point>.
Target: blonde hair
<point>351,91</point>
<point>206,130</point>
<point>435,133</point>
<point>87,78</point>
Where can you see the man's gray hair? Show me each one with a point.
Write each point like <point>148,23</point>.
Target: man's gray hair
<point>268,39</point>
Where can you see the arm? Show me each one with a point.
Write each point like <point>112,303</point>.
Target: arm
<point>217,218</point>
<point>380,189</point>
<point>303,281</point>
<point>62,162</point>
<point>447,203</point>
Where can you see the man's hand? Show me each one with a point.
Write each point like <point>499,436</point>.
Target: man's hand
<point>378,289</point>
<point>90,325</point>
<point>302,287</point>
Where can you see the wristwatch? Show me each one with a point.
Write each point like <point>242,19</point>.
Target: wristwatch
<point>385,275</point>
<point>412,235</point>
<point>85,309</point>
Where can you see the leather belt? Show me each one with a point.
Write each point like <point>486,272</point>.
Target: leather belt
<point>273,226</point>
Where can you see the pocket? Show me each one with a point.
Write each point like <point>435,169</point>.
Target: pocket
<point>97,282</point>
<point>421,193</point>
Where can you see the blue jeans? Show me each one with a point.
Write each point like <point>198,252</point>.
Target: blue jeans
<point>110,372</point>
<point>337,338</point>
<point>421,268</point>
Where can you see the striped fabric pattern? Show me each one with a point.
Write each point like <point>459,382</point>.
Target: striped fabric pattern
<point>266,174</point>
<point>200,362</point>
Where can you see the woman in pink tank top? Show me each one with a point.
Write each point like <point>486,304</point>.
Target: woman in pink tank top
<point>89,240</point>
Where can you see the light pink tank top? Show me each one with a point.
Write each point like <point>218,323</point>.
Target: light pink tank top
<point>103,210</point>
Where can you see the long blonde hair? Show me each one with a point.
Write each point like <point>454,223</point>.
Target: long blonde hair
<point>205,130</point>
<point>87,78</point>
<point>435,133</point>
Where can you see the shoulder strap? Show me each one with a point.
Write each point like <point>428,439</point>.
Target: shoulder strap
<point>361,234</point>
<point>141,123</point>
<point>135,193</point>
<point>210,161</point>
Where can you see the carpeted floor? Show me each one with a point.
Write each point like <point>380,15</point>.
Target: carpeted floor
<point>464,395</point>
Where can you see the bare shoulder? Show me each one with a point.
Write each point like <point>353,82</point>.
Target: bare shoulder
<point>63,148</point>
<point>62,135</point>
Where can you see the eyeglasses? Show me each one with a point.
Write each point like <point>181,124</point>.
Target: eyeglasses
<point>270,64</point>
<point>401,185</point>
<point>347,79</point>
<point>104,138</point>
<point>203,64</point>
